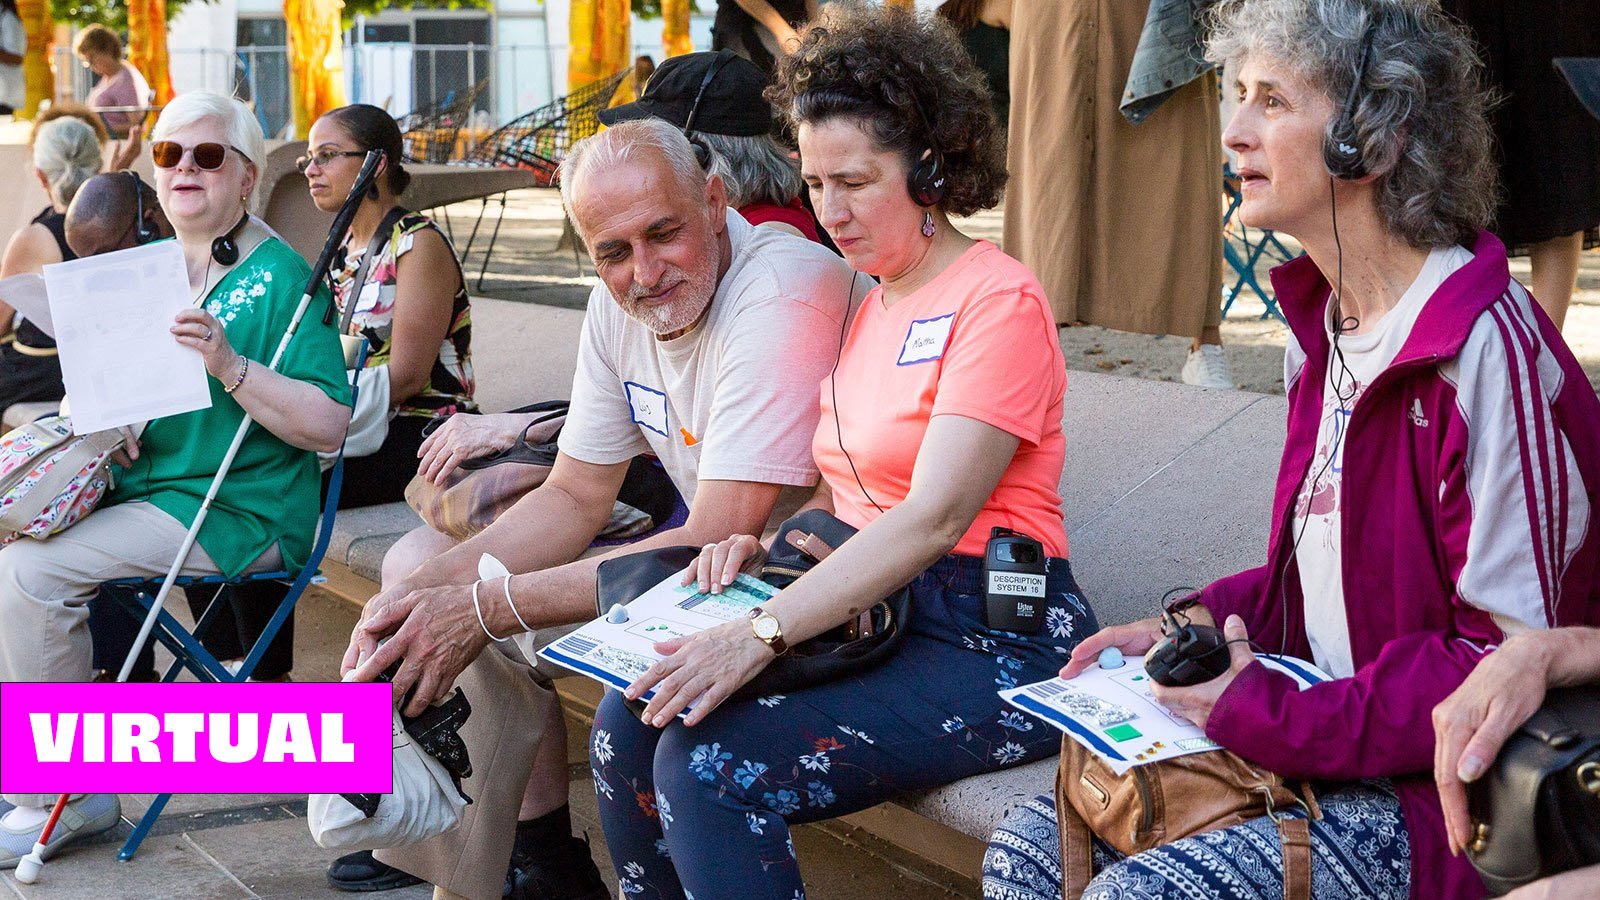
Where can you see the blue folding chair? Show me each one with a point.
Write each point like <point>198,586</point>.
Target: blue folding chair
<point>184,644</point>
<point>1242,253</point>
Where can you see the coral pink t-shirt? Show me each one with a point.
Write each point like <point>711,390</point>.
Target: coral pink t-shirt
<point>976,341</point>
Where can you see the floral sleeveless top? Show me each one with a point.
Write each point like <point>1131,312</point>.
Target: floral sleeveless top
<point>449,387</point>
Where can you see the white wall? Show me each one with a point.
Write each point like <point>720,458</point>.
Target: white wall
<point>200,44</point>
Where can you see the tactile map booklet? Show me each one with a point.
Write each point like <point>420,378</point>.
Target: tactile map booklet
<point>617,653</point>
<point>1113,713</point>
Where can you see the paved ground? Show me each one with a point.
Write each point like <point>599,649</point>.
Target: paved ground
<point>527,266</point>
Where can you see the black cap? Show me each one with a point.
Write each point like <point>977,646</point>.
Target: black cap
<point>1584,76</point>
<point>731,103</point>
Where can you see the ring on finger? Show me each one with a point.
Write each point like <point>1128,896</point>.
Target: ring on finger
<point>208,335</point>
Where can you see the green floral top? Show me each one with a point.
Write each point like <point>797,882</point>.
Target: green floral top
<point>272,494</point>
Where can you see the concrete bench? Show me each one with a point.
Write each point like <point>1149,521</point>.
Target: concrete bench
<point>1165,485</point>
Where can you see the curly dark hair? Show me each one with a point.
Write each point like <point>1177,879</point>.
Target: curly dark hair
<point>906,78</point>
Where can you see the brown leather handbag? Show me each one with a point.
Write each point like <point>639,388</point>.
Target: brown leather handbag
<point>1161,802</point>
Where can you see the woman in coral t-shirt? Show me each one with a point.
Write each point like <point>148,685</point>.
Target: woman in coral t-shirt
<point>941,422</point>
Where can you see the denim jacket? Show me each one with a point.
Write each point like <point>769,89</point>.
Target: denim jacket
<point>1169,56</point>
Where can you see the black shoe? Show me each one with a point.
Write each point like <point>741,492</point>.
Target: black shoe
<point>564,873</point>
<point>361,872</point>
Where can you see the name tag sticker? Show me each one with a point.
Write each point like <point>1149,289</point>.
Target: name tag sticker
<point>925,340</point>
<point>649,407</point>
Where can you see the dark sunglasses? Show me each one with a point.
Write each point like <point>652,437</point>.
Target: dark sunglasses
<point>208,156</point>
<point>323,157</point>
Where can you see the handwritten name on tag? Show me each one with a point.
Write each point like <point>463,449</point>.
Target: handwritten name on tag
<point>925,340</point>
<point>649,407</point>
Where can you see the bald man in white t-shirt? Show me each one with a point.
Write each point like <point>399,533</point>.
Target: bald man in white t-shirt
<point>705,345</point>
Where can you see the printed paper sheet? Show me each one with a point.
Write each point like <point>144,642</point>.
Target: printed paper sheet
<point>119,360</point>
<point>617,653</point>
<point>1113,712</point>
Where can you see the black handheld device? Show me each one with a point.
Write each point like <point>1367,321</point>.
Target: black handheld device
<point>1013,582</point>
<point>1190,654</point>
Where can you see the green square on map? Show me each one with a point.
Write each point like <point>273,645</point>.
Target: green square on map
<point>1123,732</point>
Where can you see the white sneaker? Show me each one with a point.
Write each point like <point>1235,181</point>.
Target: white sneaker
<point>85,816</point>
<point>1207,367</point>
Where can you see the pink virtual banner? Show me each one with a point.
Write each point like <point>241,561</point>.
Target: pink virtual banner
<point>196,738</point>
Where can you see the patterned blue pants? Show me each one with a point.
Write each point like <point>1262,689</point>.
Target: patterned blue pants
<point>1359,852</point>
<point>704,812</point>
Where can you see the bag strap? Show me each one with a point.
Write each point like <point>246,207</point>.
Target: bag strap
<point>1295,834</point>
<point>56,478</point>
<point>380,239</point>
<point>1077,849</point>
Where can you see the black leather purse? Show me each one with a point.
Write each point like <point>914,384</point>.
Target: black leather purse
<point>1536,812</point>
<point>803,541</point>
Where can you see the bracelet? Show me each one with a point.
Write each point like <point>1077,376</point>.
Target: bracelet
<point>479,611</point>
<point>244,369</point>
<point>507,585</point>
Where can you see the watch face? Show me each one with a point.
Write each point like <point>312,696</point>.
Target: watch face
<point>766,628</point>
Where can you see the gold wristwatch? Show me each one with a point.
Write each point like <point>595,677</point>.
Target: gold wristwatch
<point>768,631</point>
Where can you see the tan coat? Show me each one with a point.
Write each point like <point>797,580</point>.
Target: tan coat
<point>1121,222</point>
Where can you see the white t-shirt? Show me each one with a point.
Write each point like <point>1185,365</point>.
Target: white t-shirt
<point>13,39</point>
<point>1318,514</point>
<point>736,399</point>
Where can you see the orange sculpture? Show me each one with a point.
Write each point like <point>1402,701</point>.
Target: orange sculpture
<point>316,59</point>
<point>675,33</point>
<point>36,23</point>
<point>147,45</point>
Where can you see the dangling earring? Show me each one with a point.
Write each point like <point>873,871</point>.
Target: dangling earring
<point>927,224</point>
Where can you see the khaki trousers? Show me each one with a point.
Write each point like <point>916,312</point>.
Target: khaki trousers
<point>510,702</point>
<point>45,588</point>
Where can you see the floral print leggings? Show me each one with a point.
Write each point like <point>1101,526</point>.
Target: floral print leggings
<point>704,812</point>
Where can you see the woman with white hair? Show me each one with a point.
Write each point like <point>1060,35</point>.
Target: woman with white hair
<point>1439,477</point>
<point>66,153</point>
<point>208,151</point>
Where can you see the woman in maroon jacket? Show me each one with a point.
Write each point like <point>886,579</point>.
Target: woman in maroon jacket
<point>1438,482</point>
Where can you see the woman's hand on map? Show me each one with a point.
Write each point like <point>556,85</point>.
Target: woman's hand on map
<point>704,669</point>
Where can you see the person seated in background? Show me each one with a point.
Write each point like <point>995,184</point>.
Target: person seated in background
<point>208,156</point>
<point>411,308</point>
<point>952,431</point>
<point>703,344</point>
<point>66,153</point>
<point>123,152</point>
<point>717,99</point>
<point>120,85</point>
<point>115,211</point>
<point>1473,723</point>
<point>1438,486</point>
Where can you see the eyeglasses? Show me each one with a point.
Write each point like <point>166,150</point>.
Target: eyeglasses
<point>323,157</point>
<point>208,156</point>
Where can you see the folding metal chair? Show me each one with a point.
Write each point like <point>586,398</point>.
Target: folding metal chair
<point>1242,253</point>
<point>185,644</point>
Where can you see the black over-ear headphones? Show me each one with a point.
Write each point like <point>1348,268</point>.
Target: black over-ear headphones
<point>926,181</point>
<point>702,151</point>
<point>1341,146</point>
<point>224,250</point>
<point>144,230</point>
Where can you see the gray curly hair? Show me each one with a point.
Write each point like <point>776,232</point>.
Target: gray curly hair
<point>1422,117</point>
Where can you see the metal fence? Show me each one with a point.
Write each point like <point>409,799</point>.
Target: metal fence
<point>398,77</point>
